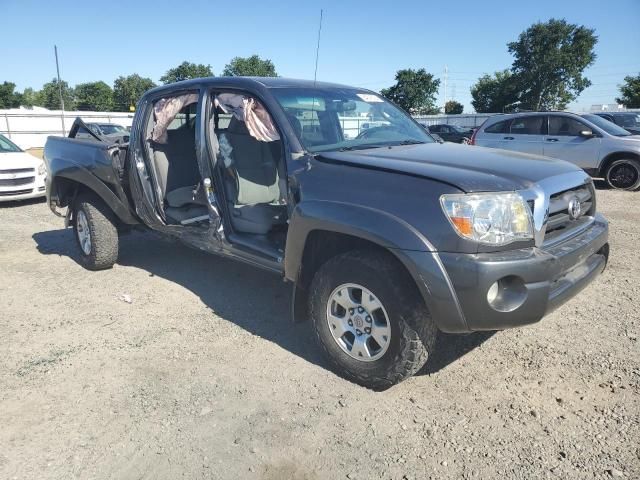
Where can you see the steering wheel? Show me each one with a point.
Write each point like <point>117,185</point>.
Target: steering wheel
<point>376,131</point>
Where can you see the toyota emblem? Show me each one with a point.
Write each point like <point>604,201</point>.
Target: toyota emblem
<point>575,208</point>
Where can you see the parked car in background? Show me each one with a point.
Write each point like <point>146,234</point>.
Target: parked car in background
<point>601,148</point>
<point>452,133</point>
<point>108,131</point>
<point>630,121</point>
<point>435,136</point>
<point>386,237</point>
<point>22,175</point>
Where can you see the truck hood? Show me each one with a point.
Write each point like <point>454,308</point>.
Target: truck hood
<point>469,168</point>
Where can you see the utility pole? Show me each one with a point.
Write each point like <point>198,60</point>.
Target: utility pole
<point>446,77</point>
<point>64,130</point>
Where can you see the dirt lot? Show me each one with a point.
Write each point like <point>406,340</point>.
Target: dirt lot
<point>175,364</point>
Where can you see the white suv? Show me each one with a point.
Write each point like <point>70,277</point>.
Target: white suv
<point>596,145</point>
<point>22,175</point>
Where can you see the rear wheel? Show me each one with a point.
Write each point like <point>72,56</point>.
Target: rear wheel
<point>96,233</point>
<point>623,174</point>
<point>370,320</point>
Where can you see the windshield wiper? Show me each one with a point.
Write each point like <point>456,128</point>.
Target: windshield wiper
<point>408,141</point>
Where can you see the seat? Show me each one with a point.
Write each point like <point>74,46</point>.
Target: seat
<point>252,184</point>
<point>178,175</point>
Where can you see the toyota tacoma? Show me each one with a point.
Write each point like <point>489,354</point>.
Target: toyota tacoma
<point>386,235</point>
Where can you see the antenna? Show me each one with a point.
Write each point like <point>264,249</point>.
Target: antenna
<point>315,73</point>
<point>55,50</point>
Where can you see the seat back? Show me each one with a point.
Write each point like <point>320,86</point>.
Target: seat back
<point>175,161</point>
<point>255,167</point>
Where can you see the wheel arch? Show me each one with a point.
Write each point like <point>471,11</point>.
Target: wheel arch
<point>612,157</point>
<point>311,241</point>
<point>66,186</point>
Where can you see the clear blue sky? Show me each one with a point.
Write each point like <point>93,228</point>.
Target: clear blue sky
<point>363,42</point>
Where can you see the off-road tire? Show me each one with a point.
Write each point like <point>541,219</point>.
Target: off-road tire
<point>103,232</point>
<point>633,164</point>
<point>413,332</point>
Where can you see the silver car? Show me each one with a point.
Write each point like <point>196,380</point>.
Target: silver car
<point>596,145</point>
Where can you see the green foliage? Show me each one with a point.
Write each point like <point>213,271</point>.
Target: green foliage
<point>49,96</point>
<point>31,98</point>
<point>549,59</point>
<point>252,66</point>
<point>453,108</point>
<point>9,98</point>
<point>496,93</point>
<point>415,91</point>
<point>128,90</point>
<point>630,92</point>
<point>186,71</point>
<point>94,96</point>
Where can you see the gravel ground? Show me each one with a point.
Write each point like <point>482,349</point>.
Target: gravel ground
<point>176,364</point>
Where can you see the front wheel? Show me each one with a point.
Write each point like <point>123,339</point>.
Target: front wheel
<point>370,319</point>
<point>623,174</point>
<point>96,233</point>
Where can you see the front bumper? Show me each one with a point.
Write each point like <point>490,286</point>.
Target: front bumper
<point>32,190</point>
<point>531,282</point>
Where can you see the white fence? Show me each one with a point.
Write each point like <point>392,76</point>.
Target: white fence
<point>30,128</point>
<point>462,120</point>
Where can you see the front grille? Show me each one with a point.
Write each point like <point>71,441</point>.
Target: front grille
<point>16,182</point>
<point>17,170</point>
<point>15,192</point>
<point>561,219</point>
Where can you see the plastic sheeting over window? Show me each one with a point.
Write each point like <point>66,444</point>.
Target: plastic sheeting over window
<point>165,111</point>
<point>252,113</point>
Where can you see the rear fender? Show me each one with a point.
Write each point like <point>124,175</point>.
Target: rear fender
<point>71,178</point>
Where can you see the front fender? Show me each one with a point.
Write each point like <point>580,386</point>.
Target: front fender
<point>359,221</point>
<point>407,244</point>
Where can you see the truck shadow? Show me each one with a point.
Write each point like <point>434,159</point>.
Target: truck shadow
<point>255,300</point>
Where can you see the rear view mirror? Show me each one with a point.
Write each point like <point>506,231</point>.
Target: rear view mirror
<point>586,133</point>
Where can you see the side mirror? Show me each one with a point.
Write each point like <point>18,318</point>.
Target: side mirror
<point>586,133</point>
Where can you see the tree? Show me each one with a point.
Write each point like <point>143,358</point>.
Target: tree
<point>185,71</point>
<point>495,94</point>
<point>31,98</point>
<point>9,98</point>
<point>549,61</point>
<point>96,96</point>
<point>49,96</point>
<point>128,90</point>
<point>415,91</point>
<point>252,66</point>
<point>630,92</point>
<point>453,108</point>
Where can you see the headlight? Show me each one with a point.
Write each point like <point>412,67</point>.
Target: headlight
<point>489,218</point>
<point>42,169</point>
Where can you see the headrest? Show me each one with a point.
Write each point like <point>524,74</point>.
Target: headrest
<point>237,126</point>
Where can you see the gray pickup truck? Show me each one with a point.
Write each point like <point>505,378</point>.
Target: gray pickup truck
<point>386,235</point>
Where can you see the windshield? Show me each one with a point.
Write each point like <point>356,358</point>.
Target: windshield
<point>347,119</point>
<point>109,129</point>
<point>459,129</point>
<point>628,120</point>
<point>607,126</point>
<point>7,146</point>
